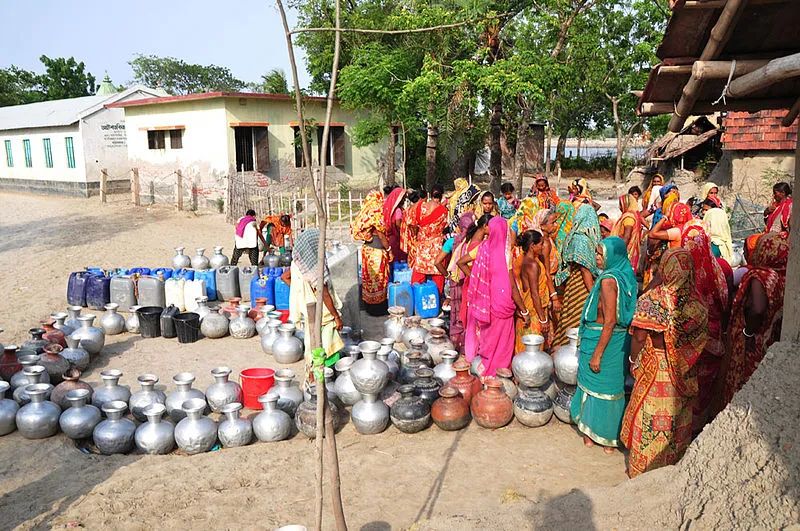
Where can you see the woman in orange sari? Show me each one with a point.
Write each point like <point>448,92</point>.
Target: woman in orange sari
<point>532,285</point>
<point>369,226</point>
<point>428,220</point>
<point>669,332</point>
<point>629,227</point>
<point>757,312</point>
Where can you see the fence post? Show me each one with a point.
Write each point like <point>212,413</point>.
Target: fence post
<point>350,205</point>
<point>103,184</point>
<point>339,205</point>
<point>135,187</point>
<point>178,190</point>
<point>194,196</point>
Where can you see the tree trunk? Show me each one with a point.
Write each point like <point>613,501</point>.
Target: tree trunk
<point>390,156</point>
<point>430,155</point>
<point>547,147</point>
<point>560,149</point>
<point>495,149</point>
<point>520,156</point>
<point>580,140</point>
<point>618,129</point>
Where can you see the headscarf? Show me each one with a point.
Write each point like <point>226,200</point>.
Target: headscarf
<point>616,266</point>
<point>718,229</point>
<point>461,185</point>
<point>547,199</point>
<point>392,203</point>
<point>242,225</point>
<point>477,201</point>
<point>305,255</point>
<point>369,218</point>
<point>607,224</point>
<point>630,209</point>
<point>669,195</point>
<point>750,245</point>
<point>579,246</point>
<point>565,214</point>
<point>704,194</point>
<point>583,189</point>
<point>680,214</point>
<point>673,308</point>
<point>523,217</point>
<point>466,221</point>
<point>651,193</point>
<point>781,214</point>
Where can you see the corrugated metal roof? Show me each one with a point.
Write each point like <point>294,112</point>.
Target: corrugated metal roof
<point>56,113</point>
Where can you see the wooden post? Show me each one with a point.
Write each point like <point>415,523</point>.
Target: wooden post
<point>135,190</point>
<point>103,184</point>
<point>305,210</point>
<point>790,330</point>
<point>178,190</point>
<point>194,196</point>
<point>350,205</point>
<point>338,206</point>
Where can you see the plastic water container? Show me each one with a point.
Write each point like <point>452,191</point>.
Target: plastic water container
<point>76,288</point>
<point>401,272</point>
<point>401,294</point>
<point>227,279</point>
<point>139,271</point>
<point>173,291</point>
<point>184,273</point>
<point>246,275</point>
<point>152,292</point>
<point>192,290</point>
<point>98,292</point>
<point>209,276</point>
<point>263,286</point>
<point>282,290</point>
<point>426,299</point>
<point>123,292</point>
<point>166,272</point>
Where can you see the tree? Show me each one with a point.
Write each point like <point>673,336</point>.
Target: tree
<point>178,77</point>
<point>273,82</point>
<point>18,86</point>
<point>65,78</point>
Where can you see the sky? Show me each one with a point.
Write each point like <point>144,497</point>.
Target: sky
<point>244,35</point>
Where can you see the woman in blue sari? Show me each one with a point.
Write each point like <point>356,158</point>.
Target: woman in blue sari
<point>599,402</point>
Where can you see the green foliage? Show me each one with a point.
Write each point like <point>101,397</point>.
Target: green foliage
<point>63,78</point>
<point>707,165</point>
<point>178,77</point>
<point>273,82</point>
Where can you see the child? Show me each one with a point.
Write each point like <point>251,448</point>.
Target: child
<point>507,204</point>
<point>533,288</point>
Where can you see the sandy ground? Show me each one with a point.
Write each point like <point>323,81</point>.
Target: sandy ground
<point>390,480</point>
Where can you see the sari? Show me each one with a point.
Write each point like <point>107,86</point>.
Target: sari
<point>768,265</point>
<point>578,251</point>
<point>584,195</point>
<point>669,196</point>
<point>428,241</point>
<point>565,214</point>
<point>375,260</point>
<point>630,218</point>
<point>599,401</point>
<point>543,290</point>
<point>274,231</point>
<point>704,194</point>
<point>456,278</point>
<point>522,219</point>
<point>547,199</point>
<point>716,225</point>
<point>649,195</point>
<point>507,208</point>
<point>477,205</point>
<point>305,279</point>
<point>490,316</point>
<point>779,220</point>
<point>459,201</point>
<point>657,425</point>
<point>391,212</point>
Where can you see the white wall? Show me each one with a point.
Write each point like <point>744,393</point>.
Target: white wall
<point>39,171</point>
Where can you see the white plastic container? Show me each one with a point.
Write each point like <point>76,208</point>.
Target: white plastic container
<point>193,289</point>
<point>174,290</point>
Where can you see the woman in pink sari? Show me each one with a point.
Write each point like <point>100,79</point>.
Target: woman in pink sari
<point>493,299</point>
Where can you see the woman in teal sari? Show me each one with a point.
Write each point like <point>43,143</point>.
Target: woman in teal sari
<point>599,402</point>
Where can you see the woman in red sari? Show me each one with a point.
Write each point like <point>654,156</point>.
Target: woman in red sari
<point>392,218</point>
<point>757,312</point>
<point>493,299</point>
<point>778,215</point>
<point>369,227</point>
<point>428,220</point>
<point>669,333</point>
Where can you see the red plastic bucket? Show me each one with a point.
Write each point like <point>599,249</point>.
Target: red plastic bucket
<point>256,382</point>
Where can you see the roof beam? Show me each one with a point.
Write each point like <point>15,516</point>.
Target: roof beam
<point>720,34</point>
<point>707,107</point>
<point>792,115</point>
<point>773,72</point>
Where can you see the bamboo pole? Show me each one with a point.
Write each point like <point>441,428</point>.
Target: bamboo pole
<point>790,330</point>
<point>707,107</point>
<point>791,115</point>
<point>103,184</point>
<point>350,206</point>
<point>720,34</point>
<point>178,190</point>
<point>773,72</point>
<point>135,190</point>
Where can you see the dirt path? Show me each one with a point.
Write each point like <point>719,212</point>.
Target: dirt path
<point>389,480</point>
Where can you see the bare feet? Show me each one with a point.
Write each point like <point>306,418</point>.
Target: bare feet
<point>609,450</point>
<point>587,442</point>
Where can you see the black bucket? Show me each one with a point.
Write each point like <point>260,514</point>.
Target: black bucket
<point>149,320</point>
<point>187,326</point>
<point>167,321</point>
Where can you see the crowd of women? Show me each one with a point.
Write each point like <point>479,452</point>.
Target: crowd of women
<point>652,293</point>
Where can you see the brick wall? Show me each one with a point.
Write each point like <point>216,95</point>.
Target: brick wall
<point>758,131</point>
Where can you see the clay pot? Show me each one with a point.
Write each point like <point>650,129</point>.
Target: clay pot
<point>261,309</point>
<point>59,322</point>
<point>55,364</point>
<point>426,386</point>
<point>466,384</point>
<point>408,371</point>
<point>229,310</point>
<point>70,381</point>
<point>491,408</point>
<point>533,408</point>
<point>53,335</point>
<point>305,417</point>
<point>412,330</point>
<point>37,341</point>
<point>450,411</point>
<point>444,370</point>
<point>9,364</point>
